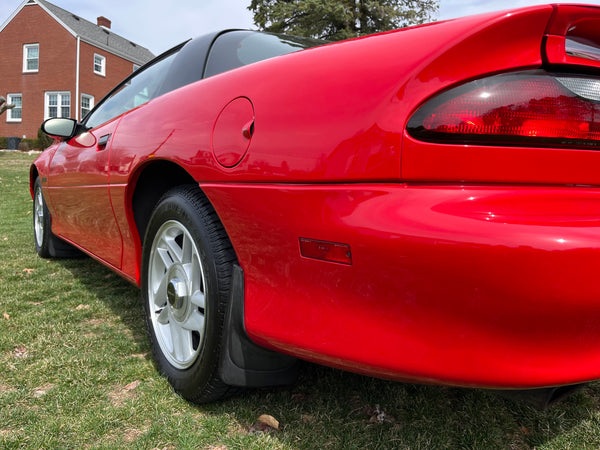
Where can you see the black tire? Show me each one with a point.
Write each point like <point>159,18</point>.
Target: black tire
<point>47,244</point>
<point>187,262</point>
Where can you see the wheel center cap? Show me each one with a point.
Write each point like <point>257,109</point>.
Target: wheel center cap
<point>176,293</point>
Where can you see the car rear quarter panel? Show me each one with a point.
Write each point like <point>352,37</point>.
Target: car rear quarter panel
<point>481,286</point>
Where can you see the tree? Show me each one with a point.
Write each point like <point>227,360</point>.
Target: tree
<point>4,106</point>
<point>340,19</point>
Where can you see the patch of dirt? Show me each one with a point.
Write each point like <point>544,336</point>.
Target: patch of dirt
<point>120,395</point>
<point>132,434</point>
<point>42,390</point>
<point>95,322</point>
<point>92,335</point>
<point>5,389</point>
<point>20,352</point>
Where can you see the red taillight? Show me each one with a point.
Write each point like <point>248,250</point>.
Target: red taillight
<point>525,108</point>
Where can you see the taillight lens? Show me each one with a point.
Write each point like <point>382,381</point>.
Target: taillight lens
<point>525,108</point>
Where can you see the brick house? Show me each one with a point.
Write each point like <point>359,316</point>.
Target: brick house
<point>56,64</point>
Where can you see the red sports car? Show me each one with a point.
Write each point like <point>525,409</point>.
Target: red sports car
<point>419,205</point>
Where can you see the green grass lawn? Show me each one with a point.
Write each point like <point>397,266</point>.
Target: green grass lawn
<point>75,371</point>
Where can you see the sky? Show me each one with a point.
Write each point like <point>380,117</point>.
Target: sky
<point>161,24</point>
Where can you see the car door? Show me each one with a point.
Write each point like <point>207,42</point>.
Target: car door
<point>79,176</point>
<point>79,191</point>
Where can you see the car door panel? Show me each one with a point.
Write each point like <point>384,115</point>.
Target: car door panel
<point>78,186</point>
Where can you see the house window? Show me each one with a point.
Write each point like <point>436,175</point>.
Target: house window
<point>135,90</point>
<point>58,104</point>
<point>87,103</point>
<point>31,57</point>
<point>99,64</point>
<point>14,114</point>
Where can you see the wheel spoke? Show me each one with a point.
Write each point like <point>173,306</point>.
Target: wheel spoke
<point>173,248</point>
<point>187,250</point>
<point>160,293</point>
<point>182,342</point>
<point>189,257</point>
<point>195,322</point>
<point>194,273</point>
<point>197,299</point>
<point>163,316</point>
<point>165,257</point>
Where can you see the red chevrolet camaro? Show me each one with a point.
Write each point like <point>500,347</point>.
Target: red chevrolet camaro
<point>419,205</point>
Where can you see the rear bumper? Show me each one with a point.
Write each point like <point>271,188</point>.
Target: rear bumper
<point>490,286</point>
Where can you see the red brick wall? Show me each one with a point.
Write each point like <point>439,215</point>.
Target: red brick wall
<point>57,67</point>
<point>98,86</point>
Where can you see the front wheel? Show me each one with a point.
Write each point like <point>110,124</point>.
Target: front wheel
<point>187,263</point>
<point>47,244</point>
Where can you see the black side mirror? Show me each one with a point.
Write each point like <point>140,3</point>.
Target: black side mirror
<point>60,128</point>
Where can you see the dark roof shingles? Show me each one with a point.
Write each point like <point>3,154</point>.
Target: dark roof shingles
<point>100,36</point>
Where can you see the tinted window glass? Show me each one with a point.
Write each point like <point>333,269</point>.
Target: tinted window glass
<point>239,48</point>
<point>132,93</point>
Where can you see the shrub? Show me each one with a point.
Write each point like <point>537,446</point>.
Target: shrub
<point>31,143</point>
<point>3,143</point>
<point>24,146</point>
<point>43,140</point>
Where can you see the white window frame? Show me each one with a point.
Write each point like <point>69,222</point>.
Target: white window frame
<point>91,100</point>
<point>26,48</point>
<point>102,70</point>
<point>59,105</point>
<point>10,98</point>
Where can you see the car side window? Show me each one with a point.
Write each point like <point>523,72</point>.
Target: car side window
<point>133,92</point>
<point>239,48</point>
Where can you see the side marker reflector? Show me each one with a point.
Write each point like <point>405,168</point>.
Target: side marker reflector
<point>326,251</point>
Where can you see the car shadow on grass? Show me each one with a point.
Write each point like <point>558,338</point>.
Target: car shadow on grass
<point>121,297</point>
<point>328,408</point>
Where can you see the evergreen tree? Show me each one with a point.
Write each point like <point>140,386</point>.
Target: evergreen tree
<point>340,19</point>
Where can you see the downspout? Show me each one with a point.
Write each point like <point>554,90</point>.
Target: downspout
<point>76,102</point>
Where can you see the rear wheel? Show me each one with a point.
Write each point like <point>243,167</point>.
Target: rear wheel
<point>47,244</point>
<point>186,276</point>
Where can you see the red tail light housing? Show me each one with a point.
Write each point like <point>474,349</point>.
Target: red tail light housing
<point>532,108</point>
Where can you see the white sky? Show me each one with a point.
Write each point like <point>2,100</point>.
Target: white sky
<point>161,24</point>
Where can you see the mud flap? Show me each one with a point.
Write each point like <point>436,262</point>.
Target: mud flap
<point>244,363</point>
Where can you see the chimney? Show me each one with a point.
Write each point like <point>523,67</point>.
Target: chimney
<point>103,22</point>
